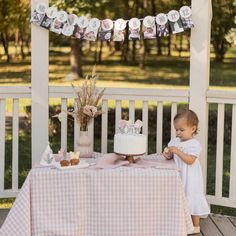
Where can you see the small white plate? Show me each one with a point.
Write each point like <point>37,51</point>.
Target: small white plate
<point>44,163</point>
<point>82,164</point>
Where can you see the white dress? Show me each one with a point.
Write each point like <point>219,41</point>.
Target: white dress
<point>191,176</point>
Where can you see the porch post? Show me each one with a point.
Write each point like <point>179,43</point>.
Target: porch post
<point>39,83</point>
<point>199,70</point>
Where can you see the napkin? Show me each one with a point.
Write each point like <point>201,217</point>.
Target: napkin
<point>47,156</point>
<point>158,163</point>
<point>60,156</point>
<point>110,160</point>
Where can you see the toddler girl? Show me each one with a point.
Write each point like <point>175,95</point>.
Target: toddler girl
<point>185,150</point>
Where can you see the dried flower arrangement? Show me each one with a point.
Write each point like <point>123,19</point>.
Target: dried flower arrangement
<point>87,101</point>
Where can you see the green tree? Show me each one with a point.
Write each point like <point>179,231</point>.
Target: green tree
<point>223,22</point>
<point>22,26</point>
<point>79,8</point>
<point>97,9</point>
<point>14,18</point>
<point>7,24</point>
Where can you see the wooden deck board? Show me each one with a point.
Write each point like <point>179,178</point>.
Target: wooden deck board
<point>208,228</point>
<point>214,225</point>
<point>3,215</point>
<point>233,220</point>
<point>224,224</point>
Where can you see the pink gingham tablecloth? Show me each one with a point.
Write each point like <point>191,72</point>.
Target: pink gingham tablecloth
<point>124,201</point>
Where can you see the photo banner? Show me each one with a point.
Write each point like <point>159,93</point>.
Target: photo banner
<point>92,29</point>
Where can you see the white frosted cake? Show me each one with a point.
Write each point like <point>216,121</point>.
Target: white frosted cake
<point>129,141</point>
<point>130,144</point>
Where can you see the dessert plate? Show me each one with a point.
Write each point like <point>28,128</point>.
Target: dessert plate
<point>43,163</point>
<point>82,164</point>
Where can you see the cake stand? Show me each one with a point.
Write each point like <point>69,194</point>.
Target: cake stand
<point>130,157</point>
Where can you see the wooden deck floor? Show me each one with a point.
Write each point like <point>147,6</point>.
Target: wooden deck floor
<point>214,225</point>
<point>218,225</point>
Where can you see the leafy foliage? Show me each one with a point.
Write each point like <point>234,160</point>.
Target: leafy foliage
<point>222,23</point>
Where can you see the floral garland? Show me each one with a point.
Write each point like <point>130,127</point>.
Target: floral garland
<point>92,29</point>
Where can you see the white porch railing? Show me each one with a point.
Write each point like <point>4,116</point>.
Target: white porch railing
<point>14,93</point>
<point>145,96</point>
<point>131,95</point>
<point>221,98</point>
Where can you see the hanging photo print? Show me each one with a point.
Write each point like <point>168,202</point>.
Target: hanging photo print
<point>51,14</point>
<point>175,22</point>
<point>69,26</point>
<point>134,29</point>
<point>149,27</point>
<point>92,30</point>
<point>72,19</point>
<point>59,21</point>
<point>105,30</point>
<point>186,17</point>
<point>68,29</point>
<point>162,25</point>
<point>80,27</point>
<point>119,30</point>
<point>39,13</point>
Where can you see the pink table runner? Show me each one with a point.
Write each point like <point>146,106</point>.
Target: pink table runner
<point>125,201</point>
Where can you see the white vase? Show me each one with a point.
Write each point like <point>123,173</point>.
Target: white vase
<point>84,145</point>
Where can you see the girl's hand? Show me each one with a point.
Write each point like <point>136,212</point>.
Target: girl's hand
<point>167,153</point>
<point>174,150</point>
<point>187,158</point>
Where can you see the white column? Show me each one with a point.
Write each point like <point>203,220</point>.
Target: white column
<point>39,82</point>
<point>199,70</point>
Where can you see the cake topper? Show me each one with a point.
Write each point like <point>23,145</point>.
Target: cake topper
<point>127,127</point>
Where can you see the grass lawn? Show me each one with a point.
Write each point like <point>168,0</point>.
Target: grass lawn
<point>160,71</point>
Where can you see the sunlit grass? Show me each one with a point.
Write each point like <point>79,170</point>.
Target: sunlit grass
<point>22,104</point>
<point>6,203</point>
<point>159,72</point>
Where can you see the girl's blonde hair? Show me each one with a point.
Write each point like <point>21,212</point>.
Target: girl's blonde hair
<point>190,116</point>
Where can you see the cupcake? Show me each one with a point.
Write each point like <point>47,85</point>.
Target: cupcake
<point>74,158</point>
<point>64,163</point>
<point>74,162</point>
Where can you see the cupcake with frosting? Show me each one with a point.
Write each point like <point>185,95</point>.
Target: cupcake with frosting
<point>74,158</point>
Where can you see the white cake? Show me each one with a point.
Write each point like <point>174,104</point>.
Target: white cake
<point>130,144</point>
